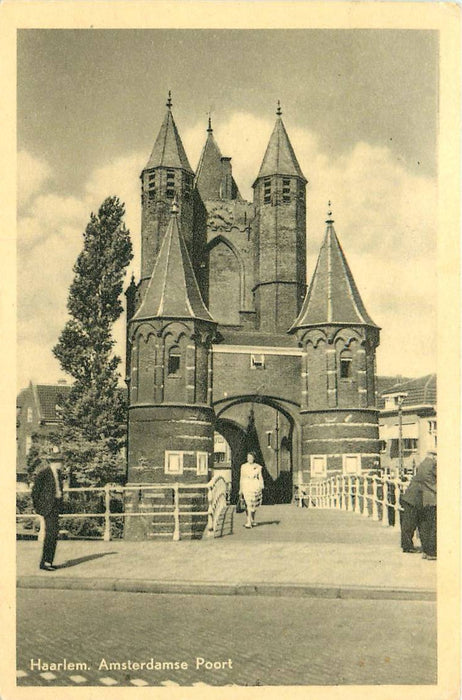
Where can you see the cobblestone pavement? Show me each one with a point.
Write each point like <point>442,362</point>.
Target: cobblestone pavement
<point>269,641</point>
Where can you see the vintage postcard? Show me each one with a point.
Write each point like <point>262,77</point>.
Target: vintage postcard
<point>230,302</point>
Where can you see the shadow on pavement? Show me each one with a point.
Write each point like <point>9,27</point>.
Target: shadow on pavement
<point>267,522</point>
<point>81,560</point>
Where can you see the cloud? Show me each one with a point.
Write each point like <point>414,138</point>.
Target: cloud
<point>385,217</point>
<point>33,173</point>
<point>50,228</point>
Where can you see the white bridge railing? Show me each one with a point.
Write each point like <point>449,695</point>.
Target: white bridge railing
<point>370,496</point>
<point>110,506</point>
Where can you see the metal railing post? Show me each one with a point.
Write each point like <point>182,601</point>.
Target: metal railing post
<point>397,523</point>
<point>385,522</point>
<point>210,511</point>
<point>176,512</point>
<point>107,510</point>
<point>337,493</point>
<point>365,511</point>
<point>357,483</point>
<point>375,510</point>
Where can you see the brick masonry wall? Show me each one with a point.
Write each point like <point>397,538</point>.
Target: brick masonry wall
<point>233,376</point>
<point>280,254</point>
<point>155,215</point>
<point>155,429</point>
<point>336,433</point>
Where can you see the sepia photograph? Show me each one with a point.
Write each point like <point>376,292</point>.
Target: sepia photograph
<point>228,351</point>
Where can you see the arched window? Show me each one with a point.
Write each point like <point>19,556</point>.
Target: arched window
<point>225,283</point>
<point>174,361</point>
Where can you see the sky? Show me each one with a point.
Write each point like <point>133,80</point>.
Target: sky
<point>360,107</point>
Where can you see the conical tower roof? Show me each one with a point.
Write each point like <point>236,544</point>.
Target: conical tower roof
<point>280,158</point>
<point>168,150</point>
<point>209,170</point>
<point>333,296</point>
<point>173,291</point>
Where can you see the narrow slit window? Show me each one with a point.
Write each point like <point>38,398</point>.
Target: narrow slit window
<point>257,361</point>
<point>346,367</point>
<point>174,362</point>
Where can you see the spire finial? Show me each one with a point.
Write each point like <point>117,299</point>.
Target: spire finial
<point>174,207</point>
<point>279,110</point>
<point>169,100</point>
<point>209,128</point>
<point>329,219</point>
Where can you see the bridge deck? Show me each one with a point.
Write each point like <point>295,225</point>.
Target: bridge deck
<point>290,546</point>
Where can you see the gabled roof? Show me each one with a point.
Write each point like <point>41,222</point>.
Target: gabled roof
<point>332,296</point>
<point>209,170</point>
<point>48,397</point>
<point>168,150</point>
<point>383,383</point>
<point>173,291</point>
<point>420,391</point>
<point>280,158</point>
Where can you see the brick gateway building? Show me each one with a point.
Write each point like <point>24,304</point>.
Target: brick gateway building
<point>223,335</point>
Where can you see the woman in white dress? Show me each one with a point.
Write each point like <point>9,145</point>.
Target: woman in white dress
<point>251,487</point>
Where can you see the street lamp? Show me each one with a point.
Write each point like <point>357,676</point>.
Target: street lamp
<point>400,400</point>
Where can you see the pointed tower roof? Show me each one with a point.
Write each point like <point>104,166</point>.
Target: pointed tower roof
<point>333,296</point>
<point>280,158</point>
<point>173,291</point>
<point>168,150</point>
<point>209,173</point>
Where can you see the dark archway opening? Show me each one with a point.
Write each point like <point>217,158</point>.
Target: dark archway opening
<point>268,430</point>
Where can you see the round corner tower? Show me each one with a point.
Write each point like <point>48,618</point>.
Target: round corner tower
<point>339,417</point>
<point>170,426</point>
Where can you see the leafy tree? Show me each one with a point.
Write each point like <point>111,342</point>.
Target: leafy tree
<point>94,413</point>
<point>42,448</point>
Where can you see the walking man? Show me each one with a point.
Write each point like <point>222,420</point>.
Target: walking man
<point>47,497</point>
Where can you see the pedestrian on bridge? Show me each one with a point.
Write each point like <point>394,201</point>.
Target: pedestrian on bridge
<point>419,509</point>
<point>251,487</point>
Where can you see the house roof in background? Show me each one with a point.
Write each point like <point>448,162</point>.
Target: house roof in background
<point>420,391</point>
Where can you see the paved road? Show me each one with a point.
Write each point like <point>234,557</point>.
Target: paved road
<point>290,545</point>
<point>270,641</point>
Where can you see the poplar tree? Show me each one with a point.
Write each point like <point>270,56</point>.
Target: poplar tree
<point>93,431</point>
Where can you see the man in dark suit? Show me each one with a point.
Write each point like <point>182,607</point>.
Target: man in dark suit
<point>428,515</point>
<point>47,497</point>
<point>419,509</point>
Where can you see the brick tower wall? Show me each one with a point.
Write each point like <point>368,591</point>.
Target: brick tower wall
<point>280,252</point>
<point>156,209</point>
<point>338,433</point>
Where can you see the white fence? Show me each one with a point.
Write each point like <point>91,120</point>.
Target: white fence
<point>373,497</point>
<point>111,502</point>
